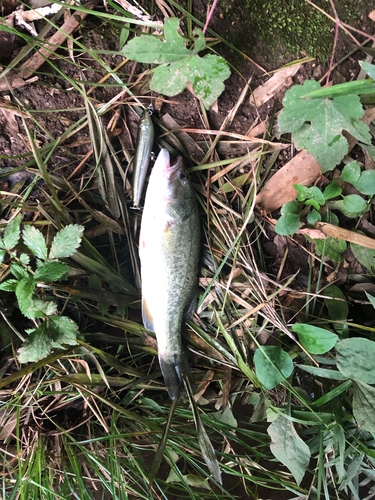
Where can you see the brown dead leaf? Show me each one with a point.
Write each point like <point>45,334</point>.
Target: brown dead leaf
<point>280,79</point>
<point>314,234</point>
<point>372,15</point>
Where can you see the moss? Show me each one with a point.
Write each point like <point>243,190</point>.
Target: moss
<point>293,24</point>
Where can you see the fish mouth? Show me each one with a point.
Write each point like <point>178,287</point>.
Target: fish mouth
<point>171,171</point>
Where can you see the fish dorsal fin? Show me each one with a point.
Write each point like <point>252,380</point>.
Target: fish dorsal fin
<point>148,320</point>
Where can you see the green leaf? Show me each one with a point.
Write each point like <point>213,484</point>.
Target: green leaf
<point>289,208</point>
<point>332,191</point>
<point>366,183</point>
<point>206,75</point>
<point>289,448</point>
<point>66,242</point>
<point>368,68</point>
<point>351,172</point>
<point>356,359</point>
<point>365,256</point>
<point>317,124</point>
<point>44,307</point>
<point>34,240</point>
<point>51,271</point>
<point>151,50</point>
<point>2,255</point>
<point>12,232</point>
<point>323,372</point>
<point>272,365</point>
<point>287,224</point>
<point>313,192</point>
<point>315,340</point>
<point>24,292</point>
<point>338,310</point>
<point>371,299</point>
<point>313,217</point>
<point>124,35</point>
<point>225,416</point>
<point>25,259</point>
<point>9,285</point>
<point>18,271</point>
<point>334,248</point>
<point>180,65</point>
<point>364,406</point>
<point>354,203</point>
<point>191,480</point>
<point>54,333</point>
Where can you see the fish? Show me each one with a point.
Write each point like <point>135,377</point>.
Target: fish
<point>145,140</point>
<point>169,248</point>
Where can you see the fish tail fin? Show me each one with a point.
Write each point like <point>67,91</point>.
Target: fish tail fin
<point>173,370</point>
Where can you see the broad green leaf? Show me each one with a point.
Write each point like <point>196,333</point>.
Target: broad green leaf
<point>371,299</point>
<point>338,310</point>
<point>25,259</point>
<point>180,65</point>
<point>2,255</point>
<point>151,50</point>
<point>354,203</point>
<point>313,203</point>
<point>287,224</point>
<point>313,217</point>
<point>366,183</point>
<point>334,248</point>
<point>191,480</point>
<point>351,172</point>
<point>66,242</point>
<point>272,365</point>
<point>53,333</point>
<point>364,406</point>
<point>12,232</point>
<point>24,293</point>
<point>206,74</point>
<point>346,206</point>
<point>50,271</point>
<point>9,285</point>
<point>289,208</point>
<point>323,372</point>
<point>332,190</point>
<point>124,35</point>
<point>315,340</point>
<point>313,192</point>
<point>44,307</point>
<point>356,359</point>
<point>368,68</point>
<point>365,256</point>
<point>225,416</point>
<point>34,240</point>
<point>317,124</point>
<point>289,448</point>
<point>18,271</point>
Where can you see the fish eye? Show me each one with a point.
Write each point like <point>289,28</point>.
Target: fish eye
<point>183,177</point>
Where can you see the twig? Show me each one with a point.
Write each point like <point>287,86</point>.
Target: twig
<point>337,23</point>
<point>209,16</point>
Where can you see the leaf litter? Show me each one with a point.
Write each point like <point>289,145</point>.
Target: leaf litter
<point>245,301</point>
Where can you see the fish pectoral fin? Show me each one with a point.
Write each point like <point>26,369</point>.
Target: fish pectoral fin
<point>148,320</point>
<point>191,304</point>
<point>179,211</point>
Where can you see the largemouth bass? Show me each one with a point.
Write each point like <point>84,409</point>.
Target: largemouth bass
<point>169,253</point>
<point>143,149</point>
